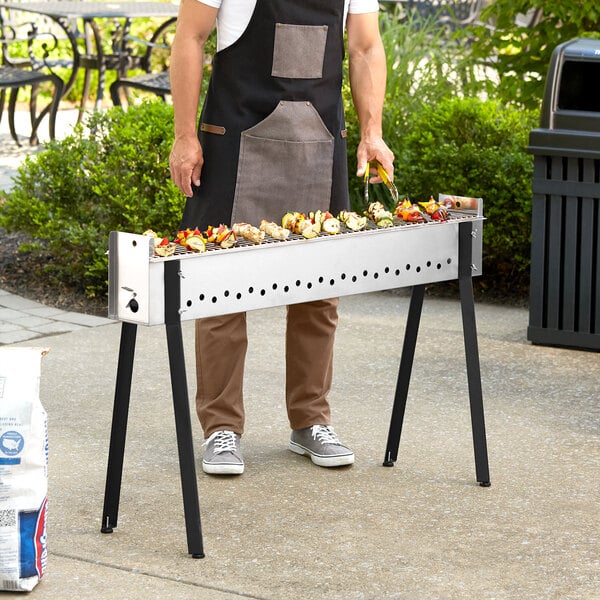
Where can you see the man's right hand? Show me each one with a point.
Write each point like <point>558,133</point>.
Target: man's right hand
<point>185,163</point>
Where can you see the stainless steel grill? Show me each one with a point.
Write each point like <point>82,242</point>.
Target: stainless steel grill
<point>273,273</point>
<point>149,290</point>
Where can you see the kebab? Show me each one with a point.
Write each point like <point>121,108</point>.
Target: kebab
<point>310,226</point>
<point>409,212</point>
<point>162,246</point>
<point>191,239</point>
<point>275,231</point>
<point>248,232</point>
<point>379,215</point>
<point>352,220</point>
<point>221,236</point>
<point>435,210</point>
<point>298,223</point>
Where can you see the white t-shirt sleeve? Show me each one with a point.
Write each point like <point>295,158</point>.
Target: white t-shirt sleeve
<point>363,6</point>
<point>234,16</point>
<point>354,6</point>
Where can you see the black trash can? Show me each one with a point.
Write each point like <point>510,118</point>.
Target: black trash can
<point>564,297</point>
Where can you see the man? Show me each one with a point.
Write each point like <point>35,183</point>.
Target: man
<point>271,138</point>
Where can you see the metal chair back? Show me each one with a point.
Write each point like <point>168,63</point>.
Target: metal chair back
<point>18,71</point>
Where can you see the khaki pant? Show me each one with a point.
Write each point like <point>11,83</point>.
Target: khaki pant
<point>221,345</point>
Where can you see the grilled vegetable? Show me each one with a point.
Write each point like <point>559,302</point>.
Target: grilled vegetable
<point>316,219</point>
<point>352,220</point>
<point>296,222</point>
<point>162,246</point>
<point>165,248</point>
<point>191,239</point>
<point>409,212</point>
<point>288,220</point>
<point>221,235</point>
<point>196,243</point>
<point>435,210</point>
<point>308,229</point>
<point>379,214</point>
<point>324,221</point>
<point>412,214</point>
<point>331,225</point>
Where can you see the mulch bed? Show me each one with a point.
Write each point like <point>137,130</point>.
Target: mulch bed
<point>22,273</point>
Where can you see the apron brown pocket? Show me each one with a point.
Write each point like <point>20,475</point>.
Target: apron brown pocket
<point>285,163</point>
<point>299,51</point>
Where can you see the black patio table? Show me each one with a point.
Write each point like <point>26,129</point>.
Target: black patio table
<point>86,20</point>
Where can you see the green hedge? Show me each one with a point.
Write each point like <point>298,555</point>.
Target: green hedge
<point>112,175</point>
<point>474,148</point>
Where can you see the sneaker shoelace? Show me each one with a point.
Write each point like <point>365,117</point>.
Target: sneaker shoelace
<point>224,441</point>
<point>325,434</point>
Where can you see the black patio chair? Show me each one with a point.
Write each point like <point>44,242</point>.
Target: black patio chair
<point>154,83</point>
<point>156,79</point>
<point>14,78</point>
<point>155,62</point>
<point>20,72</point>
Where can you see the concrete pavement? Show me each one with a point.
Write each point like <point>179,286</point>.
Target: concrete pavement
<point>286,529</point>
<point>22,319</point>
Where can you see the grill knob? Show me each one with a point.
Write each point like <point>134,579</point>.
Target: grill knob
<point>133,305</point>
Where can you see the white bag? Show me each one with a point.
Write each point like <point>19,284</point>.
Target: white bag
<point>23,470</point>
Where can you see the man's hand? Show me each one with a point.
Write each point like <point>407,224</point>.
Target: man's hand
<point>195,23</point>
<point>367,68</point>
<point>374,150</point>
<point>186,162</point>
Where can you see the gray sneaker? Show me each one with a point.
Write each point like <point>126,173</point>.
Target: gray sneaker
<point>321,443</point>
<point>222,455</point>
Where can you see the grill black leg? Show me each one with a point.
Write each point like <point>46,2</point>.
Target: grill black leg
<point>181,406</point>
<point>183,425</point>
<point>404,372</point>
<point>474,381</point>
<point>467,304</point>
<point>118,432</point>
<point>472,359</point>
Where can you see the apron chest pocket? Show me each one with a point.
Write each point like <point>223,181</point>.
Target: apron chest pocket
<point>299,51</point>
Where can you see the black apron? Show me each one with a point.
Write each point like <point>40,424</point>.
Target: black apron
<point>272,125</point>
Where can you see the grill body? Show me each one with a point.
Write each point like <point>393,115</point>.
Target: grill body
<point>277,273</point>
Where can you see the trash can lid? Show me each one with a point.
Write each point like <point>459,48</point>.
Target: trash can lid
<point>582,48</point>
<point>571,98</point>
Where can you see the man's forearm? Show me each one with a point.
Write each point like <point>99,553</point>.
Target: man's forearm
<point>186,81</point>
<point>367,68</point>
<point>367,81</point>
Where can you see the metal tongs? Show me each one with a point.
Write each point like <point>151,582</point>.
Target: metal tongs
<point>385,178</point>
